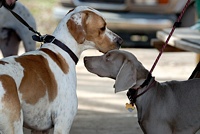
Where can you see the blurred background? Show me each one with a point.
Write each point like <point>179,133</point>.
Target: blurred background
<point>136,21</point>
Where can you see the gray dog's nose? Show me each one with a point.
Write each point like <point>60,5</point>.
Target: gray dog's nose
<point>85,59</point>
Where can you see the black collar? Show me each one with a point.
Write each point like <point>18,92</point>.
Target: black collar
<point>132,94</point>
<point>52,39</point>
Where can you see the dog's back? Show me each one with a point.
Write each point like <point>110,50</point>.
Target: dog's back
<point>29,82</point>
<point>173,104</point>
<point>10,108</point>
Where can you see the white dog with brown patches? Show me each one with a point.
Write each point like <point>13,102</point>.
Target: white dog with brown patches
<point>38,88</point>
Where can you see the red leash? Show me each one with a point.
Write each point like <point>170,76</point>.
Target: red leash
<point>131,94</point>
<point>170,34</point>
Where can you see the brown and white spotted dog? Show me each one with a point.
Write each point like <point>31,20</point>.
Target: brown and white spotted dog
<point>38,88</point>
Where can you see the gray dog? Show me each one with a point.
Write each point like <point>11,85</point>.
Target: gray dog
<point>12,30</point>
<point>166,108</point>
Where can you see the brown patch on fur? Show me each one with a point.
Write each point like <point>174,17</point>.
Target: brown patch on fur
<point>76,31</point>
<point>95,27</point>
<point>38,79</point>
<point>10,99</point>
<point>58,59</point>
<point>3,62</point>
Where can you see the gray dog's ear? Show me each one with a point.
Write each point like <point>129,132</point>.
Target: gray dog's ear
<point>126,78</point>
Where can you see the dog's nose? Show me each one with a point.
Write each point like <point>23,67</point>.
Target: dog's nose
<point>85,59</point>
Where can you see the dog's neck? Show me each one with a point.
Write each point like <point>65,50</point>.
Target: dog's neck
<point>141,76</point>
<point>62,34</point>
<point>144,101</point>
<point>139,82</point>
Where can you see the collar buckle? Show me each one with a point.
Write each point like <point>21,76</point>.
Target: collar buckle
<point>132,94</point>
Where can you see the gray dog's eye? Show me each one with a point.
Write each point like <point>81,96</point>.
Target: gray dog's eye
<point>108,57</point>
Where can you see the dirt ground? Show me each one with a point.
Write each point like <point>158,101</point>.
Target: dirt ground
<point>101,111</point>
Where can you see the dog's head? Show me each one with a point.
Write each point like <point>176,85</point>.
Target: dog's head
<point>119,65</point>
<point>89,29</point>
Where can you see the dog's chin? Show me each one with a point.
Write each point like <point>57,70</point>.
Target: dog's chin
<point>99,73</point>
<point>105,50</point>
<point>101,51</point>
<point>104,75</point>
<point>89,69</point>
<point>114,78</point>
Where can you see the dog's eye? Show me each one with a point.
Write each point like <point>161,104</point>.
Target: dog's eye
<point>107,57</point>
<point>103,28</point>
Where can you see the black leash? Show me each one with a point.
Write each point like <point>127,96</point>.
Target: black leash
<point>25,23</point>
<point>21,19</point>
<point>46,38</point>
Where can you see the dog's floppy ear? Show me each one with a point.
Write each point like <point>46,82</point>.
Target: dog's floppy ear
<point>126,78</point>
<point>76,29</point>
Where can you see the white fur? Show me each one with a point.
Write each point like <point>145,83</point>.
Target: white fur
<point>2,92</point>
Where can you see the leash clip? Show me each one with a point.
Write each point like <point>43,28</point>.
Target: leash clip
<point>47,38</point>
<point>44,38</point>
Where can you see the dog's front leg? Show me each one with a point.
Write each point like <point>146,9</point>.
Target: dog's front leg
<point>65,114</point>
<point>64,122</point>
<point>63,127</point>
